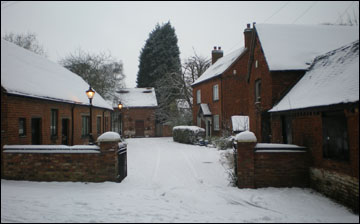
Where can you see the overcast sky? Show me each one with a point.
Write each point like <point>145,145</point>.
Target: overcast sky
<point>122,28</point>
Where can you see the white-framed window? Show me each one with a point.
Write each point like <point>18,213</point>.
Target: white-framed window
<point>216,122</point>
<point>198,96</point>
<point>216,92</point>
<point>258,90</point>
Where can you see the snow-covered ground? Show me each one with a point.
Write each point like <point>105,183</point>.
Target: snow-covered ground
<point>166,182</point>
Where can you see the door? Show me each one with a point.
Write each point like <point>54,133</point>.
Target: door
<point>36,131</point>
<point>65,132</point>
<point>139,128</point>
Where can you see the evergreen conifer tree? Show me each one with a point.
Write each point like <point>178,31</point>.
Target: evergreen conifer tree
<point>159,56</point>
<point>159,66</point>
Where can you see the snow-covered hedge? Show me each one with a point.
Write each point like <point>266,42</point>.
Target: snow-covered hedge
<point>188,134</point>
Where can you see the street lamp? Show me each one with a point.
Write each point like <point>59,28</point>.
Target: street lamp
<point>90,94</point>
<point>120,106</point>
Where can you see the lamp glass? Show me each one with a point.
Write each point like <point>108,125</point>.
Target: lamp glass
<point>90,93</point>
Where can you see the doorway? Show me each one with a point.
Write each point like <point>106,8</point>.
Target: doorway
<point>139,128</point>
<point>65,131</point>
<point>35,131</point>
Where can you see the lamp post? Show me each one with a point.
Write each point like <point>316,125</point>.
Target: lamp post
<point>120,106</point>
<point>90,94</point>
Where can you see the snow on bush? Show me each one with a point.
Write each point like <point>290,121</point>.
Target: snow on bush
<point>246,136</point>
<point>188,134</point>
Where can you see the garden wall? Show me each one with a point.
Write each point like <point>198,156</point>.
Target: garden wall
<point>271,165</point>
<point>63,163</point>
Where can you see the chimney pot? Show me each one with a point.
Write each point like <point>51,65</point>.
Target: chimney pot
<point>248,25</point>
<point>216,54</point>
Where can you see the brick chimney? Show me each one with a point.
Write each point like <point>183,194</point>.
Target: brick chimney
<point>248,36</point>
<point>216,54</point>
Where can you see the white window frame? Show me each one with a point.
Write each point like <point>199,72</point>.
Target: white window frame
<point>258,90</point>
<point>216,92</point>
<point>198,96</point>
<point>216,119</point>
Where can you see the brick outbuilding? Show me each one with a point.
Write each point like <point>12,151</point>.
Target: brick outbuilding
<point>44,103</point>
<point>136,118</point>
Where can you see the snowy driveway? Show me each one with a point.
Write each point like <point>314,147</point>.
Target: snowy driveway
<point>166,182</point>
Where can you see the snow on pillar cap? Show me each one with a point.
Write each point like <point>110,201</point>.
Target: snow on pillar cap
<point>246,136</point>
<point>109,137</point>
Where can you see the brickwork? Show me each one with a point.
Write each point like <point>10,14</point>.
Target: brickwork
<point>15,107</point>
<point>343,188</point>
<point>95,166</point>
<point>281,169</point>
<point>274,84</point>
<point>331,177</point>
<point>206,89</point>
<point>257,169</point>
<point>131,115</point>
<point>246,164</point>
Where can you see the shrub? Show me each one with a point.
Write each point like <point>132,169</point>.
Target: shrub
<point>223,143</point>
<point>188,134</point>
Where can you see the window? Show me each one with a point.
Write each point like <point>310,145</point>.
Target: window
<point>258,90</point>
<point>98,125</point>
<point>335,136</point>
<point>198,96</point>
<point>22,127</point>
<point>286,129</point>
<point>85,121</point>
<point>54,122</point>
<point>106,123</point>
<point>216,92</point>
<point>216,123</point>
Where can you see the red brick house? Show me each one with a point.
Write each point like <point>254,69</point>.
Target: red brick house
<point>321,112</point>
<point>137,116</point>
<point>216,95</point>
<point>42,103</point>
<point>276,60</point>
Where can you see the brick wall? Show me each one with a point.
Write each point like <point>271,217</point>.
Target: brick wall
<point>93,166</point>
<point>207,97</point>
<point>15,107</point>
<point>131,115</point>
<point>281,169</point>
<point>235,93</point>
<point>343,188</point>
<point>274,85</point>
<point>336,179</point>
<point>263,168</point>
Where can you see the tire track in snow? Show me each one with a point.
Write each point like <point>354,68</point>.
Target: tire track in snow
<point>191,167</point>
<point>157,165</point>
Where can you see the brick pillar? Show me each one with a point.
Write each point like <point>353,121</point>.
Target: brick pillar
<point>246,142</point>
<point>109,145</point>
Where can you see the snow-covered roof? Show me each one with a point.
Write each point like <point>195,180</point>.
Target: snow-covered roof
<point>220,66</point>
<point>135,97</point>
<point>205,109</point>
<point>28,74</point>
<point>240,123</point>
<point>332,79</point>
<point>294,47</point>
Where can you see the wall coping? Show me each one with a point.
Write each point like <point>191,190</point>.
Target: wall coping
<point>51,149</point>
